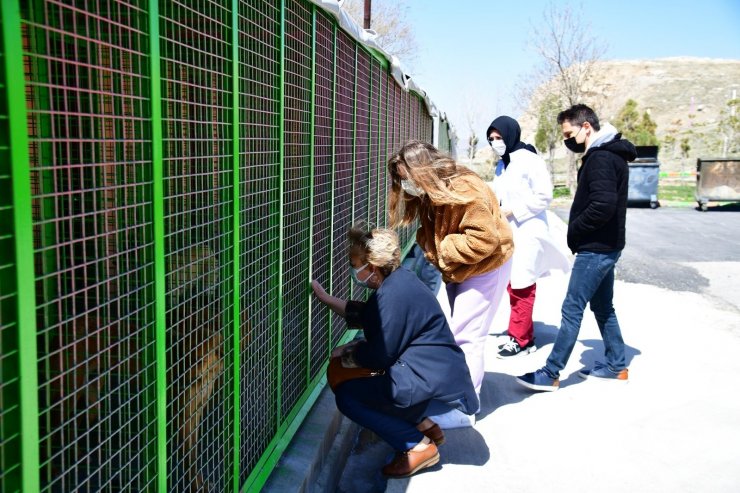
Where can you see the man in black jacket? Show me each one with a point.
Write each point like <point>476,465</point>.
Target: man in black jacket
<point>596,233</point>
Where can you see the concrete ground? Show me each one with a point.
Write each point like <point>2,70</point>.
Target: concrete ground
<point>674,427</point>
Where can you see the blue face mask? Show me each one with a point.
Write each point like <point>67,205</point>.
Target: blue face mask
<point>354,272</point>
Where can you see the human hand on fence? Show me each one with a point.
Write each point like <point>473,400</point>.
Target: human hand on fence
<point>319,291</point>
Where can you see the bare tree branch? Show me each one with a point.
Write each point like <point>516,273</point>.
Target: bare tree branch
<point>568,53</point>
<point>390,21</point>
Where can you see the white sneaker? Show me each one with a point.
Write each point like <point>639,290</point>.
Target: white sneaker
<point>454,419</point>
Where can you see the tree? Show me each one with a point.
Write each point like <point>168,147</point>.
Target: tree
<point>568,53</point>
<point>548,134</point>
<point>640,130</point>
<point>669,145</point>
<point>472,144</point>
<point>648,128</point>
<point>390,20</point>
<point>685,147</point>
<point>729,126</point>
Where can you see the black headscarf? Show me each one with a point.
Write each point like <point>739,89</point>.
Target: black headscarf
<point>510,133</point>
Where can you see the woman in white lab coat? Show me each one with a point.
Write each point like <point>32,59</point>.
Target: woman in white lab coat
<point>524,189</point>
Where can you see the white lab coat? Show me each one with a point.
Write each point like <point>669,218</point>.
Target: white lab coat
<point>525,188</point>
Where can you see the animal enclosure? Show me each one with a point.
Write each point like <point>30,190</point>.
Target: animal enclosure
<point>172,175</point>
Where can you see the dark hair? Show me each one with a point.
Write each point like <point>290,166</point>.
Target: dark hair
<point>577,114</point>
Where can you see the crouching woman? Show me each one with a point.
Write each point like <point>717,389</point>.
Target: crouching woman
<point>408,341</point>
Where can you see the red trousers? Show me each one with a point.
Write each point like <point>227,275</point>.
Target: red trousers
<point>521,327</point>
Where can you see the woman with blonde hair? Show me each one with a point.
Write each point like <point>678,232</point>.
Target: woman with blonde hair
<point>407,342</point>
<point>462,232</point>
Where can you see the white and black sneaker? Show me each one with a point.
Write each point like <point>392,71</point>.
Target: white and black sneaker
<point>512,348</point>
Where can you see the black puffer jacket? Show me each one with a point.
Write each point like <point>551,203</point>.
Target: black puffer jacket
<point>599,210</point>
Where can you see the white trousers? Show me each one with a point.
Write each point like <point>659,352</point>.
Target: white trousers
<point>472,306</point>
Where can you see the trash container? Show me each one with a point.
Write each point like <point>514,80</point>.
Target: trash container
<point>643,180</point>
<point>717,180</point>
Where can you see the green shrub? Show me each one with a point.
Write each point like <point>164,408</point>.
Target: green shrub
<point>560,192</point>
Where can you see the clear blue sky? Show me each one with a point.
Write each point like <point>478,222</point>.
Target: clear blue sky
<point>473,52</point>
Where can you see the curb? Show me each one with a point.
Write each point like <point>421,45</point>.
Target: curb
<point>316,456</point>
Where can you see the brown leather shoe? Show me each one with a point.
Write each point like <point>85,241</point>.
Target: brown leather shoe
<point>408,463</point>
<point>435,434</point>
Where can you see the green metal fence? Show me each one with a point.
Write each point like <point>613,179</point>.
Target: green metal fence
<point>172,175</point>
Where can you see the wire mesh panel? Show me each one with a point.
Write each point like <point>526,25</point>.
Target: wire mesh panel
<point>196,99</point>
<point>403,137</point>
<point>343,185</point>
<point>323,183</point>
<point>388,110</point>
<point>409,117</point>
<point>412,118</point>
<point>426,124</point>
<point>394,130</point>
<point>375,163</point>
<point>416,132</point>
<point>362,137</point>
<point>395,99</point>
<point>405,117</point>
<point>296,199</point>
<point>10,410</point>
<point>88,129</point>
<point>259,170</point>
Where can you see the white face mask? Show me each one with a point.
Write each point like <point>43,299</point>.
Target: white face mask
<point>499,146</point>
<point>410,188</point>
<point>355,272</point>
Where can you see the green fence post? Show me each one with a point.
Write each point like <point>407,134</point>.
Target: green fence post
<point>23,229</point>
<point>160,308</point>
<point>333,169</point>
<point>312,201</point>
<point>369,136</point>
<point>381,142</point>
<point>235,235</point>
<point>281,222</point>
<point>354,145</point>
<point>381,176</point>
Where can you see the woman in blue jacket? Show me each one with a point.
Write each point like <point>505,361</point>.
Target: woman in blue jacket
<point>406,336</point>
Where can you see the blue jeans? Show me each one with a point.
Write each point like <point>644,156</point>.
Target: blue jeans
<point>366,401</point>
<point>591,281</point>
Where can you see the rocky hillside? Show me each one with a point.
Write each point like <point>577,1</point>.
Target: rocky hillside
<point>684,96</point>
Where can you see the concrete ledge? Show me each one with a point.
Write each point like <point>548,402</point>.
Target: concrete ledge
<point>315,458</point>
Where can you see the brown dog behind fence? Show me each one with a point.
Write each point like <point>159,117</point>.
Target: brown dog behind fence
<point>80,373</point>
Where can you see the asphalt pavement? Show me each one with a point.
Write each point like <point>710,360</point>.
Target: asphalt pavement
<point>674,427</point>
<point>682,249</point>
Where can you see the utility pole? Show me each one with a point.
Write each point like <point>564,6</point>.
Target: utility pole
<point>368,9</point>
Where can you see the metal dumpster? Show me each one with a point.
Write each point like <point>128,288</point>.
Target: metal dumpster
<point>717,180</point>
<point>643,178</point>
